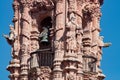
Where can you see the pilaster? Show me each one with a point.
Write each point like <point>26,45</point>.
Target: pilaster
<point>25,36</point>
<point>14,66</point>
<point>59,40</point>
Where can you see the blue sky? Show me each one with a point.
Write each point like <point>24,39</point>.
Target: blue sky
<point>110,25</point>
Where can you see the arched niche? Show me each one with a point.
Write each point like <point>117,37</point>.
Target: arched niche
<point>44,30</point>
<point>44,55</point>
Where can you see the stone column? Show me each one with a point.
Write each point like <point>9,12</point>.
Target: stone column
<point>87,36</point>
<point>59,49</point>
<point>72,29</point>
<point>34,47</point>
<point>25,35</point>
<point>16,46</point>
<point>15,62</point>
<point>96,39</point>
<point>79,33</point>
<point>87,41</point>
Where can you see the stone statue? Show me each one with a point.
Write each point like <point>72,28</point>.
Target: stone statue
<point>71,33</point>
<point>12,35</point>
<point>34,61</point>
<point>44,35</point>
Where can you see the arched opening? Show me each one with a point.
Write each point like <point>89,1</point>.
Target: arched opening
<point>44,37</point>
<point>44,54</point>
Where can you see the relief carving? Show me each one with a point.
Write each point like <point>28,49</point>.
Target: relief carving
<point>24,48</point>
<point>71,76</point>
<point>45,73</point>
<point>92,10</point>
<point>58,45</point>
<point>38,4</point>
<point>62,61</point>
<point>26,3</point>
<point>43,4</point>
<point>15,52</point>
<point>71,5</point>
<point>34,46</point>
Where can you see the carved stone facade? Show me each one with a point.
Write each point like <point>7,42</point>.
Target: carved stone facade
<point>56,40</point>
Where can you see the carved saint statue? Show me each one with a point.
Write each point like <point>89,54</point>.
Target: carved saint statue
<point>44,35</point>
<point>12,35</point>
<point>71,33</point>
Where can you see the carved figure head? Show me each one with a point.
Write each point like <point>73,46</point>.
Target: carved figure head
<point>11,27</point>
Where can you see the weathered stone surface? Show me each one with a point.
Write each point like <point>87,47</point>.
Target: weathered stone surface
<point>56,40</point>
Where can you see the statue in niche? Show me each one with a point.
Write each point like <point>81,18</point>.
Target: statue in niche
<point>44,36</point>
<point>12,35</point>
<point>71,33</point>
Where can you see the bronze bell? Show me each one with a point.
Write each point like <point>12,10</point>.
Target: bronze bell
<point>44,35</point>
<point>44,39</point>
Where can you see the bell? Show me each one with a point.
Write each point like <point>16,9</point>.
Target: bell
<point>44,35</point>
<point>44,39</point>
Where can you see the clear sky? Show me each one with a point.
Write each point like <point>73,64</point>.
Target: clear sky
<point>110,29</point>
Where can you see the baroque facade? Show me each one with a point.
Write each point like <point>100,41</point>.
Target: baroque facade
<point>56,40</point>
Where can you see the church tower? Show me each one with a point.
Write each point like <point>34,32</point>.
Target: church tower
<point>56,40</point>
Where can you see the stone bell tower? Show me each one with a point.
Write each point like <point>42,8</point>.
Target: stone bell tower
<point>56,40</point>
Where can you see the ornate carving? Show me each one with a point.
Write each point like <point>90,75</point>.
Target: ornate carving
<point>26,3</point>
<point>34,46</point>
<point>58,45</point>
<point>24,49</point>
<point>71,76</point>
<point>71,34</point>
<point>91,10</point>
<point>71,5</point>
<point>15,52</point>
<point>15,5</point>
<point>12,36</point>
<point>43,4</point>
<point>42,73</point>
<point>39,4</point>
